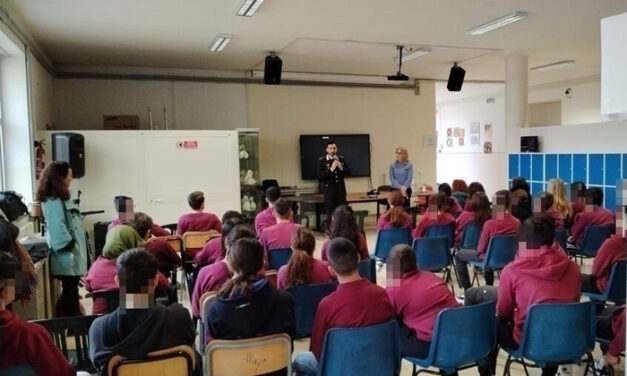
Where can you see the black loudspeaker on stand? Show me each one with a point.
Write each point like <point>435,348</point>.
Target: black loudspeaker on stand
<point>70,147</point>
<point>272,70</point>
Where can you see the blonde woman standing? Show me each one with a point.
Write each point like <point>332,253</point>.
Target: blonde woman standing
<point>402,173</point>
<point>556,188</point>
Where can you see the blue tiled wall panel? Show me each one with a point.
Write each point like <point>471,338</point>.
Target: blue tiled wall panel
<point>565,167</point>
<point>580,168</point>
<point>525,166</point>
<point>609,199</point>
<point>624,166</point>
<point>513,166</point>
<point>612,168</point>
<point>537,167</point>
<point>595,169</point>
<point>550,166</point>
<point>536,188</point>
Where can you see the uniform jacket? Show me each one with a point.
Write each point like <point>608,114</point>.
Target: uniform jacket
<point>332,181</point>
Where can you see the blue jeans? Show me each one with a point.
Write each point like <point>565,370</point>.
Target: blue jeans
<point>305,364</point>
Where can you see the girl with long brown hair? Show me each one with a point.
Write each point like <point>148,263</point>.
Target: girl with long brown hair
<point>344,225</point>
<point>481,212</point>
<point>303,268</point>
<point>396,216</point>
<point>436,215</point>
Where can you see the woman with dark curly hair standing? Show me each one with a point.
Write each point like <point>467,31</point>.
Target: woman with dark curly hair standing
<point>344,225</point>
<point>65,233</point>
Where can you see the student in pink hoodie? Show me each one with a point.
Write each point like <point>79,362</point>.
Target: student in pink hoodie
<point>126,209</point>
<point>593,215</point>
<point>541,273</point>
<point>266,217</point>
<point>396,216</point>
<point>545,205</point>
<point>480,213</point>
<point>503,223</point>
<point>280,234</point>
<point>303,268</point>
<point>212,251</point>
<point>453,207</point>
<point>436,215</point>
<point>197,220</point>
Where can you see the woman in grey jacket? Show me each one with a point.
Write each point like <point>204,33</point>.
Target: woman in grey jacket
<point>65,235</point>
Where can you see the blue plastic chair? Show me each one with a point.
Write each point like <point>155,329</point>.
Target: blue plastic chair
<point>278,257</point>
<point>306,300</point>
<point>615,290</point>
<point>471,235</point>
<point>442,230</point>
<point>434,255</point>
<point>555,334</point>
<point>368,269</point>
<point>501,251</point>
<point>462,338</point>
<point>592,240</point>
<point>23,369</point>
<point>560,238</point>
<point>388,238</point>
<point>366,351</point>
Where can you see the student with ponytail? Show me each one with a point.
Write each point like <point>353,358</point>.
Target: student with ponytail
<point>303,268</point>
<point>480,213</point>
<point>396,216</point>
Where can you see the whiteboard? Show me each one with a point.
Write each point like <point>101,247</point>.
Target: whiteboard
<point>158,169</point>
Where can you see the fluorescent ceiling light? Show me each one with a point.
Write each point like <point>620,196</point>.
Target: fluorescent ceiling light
<point>220,42</point>
<point>557,64</point>
<point>414,53</point>
<point>249,8</point>
<point>499,22</point>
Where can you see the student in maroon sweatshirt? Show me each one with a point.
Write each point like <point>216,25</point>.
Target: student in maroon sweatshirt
<point>346,307</point>
<point>280,234</point>
<point>266,217</point>
<point>544,205</point>
<point>436,215</point>
<point>453,207</point>
<point>212,251</point>
<point>480,212</point>
<point>303,268</point>
<point>578,198</point>
<point>541,273</point>
<point>612,250</point>
<point>212,277</point>
<point>396,216</point>
<point>610,326</point>
<point>344,225</point>
<point>472,188</point>
<point>198,219</point>
<point>593,215</point>
<point>125,208</point>
<point>417,296</point>
<point>502,223</point>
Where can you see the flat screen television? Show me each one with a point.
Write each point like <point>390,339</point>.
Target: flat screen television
<point>355,148</point>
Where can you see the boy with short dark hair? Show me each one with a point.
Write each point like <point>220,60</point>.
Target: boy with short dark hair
<point>125,209</point>
<point>280,234</point>
<point>197,220</point>
<point>266,217</point>
<point>593,215</point>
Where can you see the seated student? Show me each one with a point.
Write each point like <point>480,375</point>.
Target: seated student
<point>266,217</point>
<point>544,205</point>
<point>121,238</point>
<point>593,215</point>
<point>280,234</point>
<point>197,220</point>
<point>556,187</point>
<point>303,268</point>
<point>472,189</point>
<point>139,326</point>
<point>578,201</point>
<point>520,198</point>
<point>541,273</point>
<point>396,216</point>
<point>125,209</point>
<point>436,215</point>
<point>212,277</point>
<point>610,325</point>
<point>21,342</point>
<point>502,223</point>
<point>344,308</point>
<point>344,224</point>
<point>479,214</point>
<point>453,207</point>
<point>248,305</point>
<point>417,296</point>
<point>212,251</point>
<point>611,251</point>
<point>460,192</point>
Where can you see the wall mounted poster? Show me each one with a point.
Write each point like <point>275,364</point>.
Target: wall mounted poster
<point>474,134</point>
<point>487,147</point>
<point>487,132</point>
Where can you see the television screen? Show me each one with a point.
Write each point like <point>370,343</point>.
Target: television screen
<point>355,148</point>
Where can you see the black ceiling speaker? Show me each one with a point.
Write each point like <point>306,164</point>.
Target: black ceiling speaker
<point>272,70</point>
<point>456,78</point>
<point>399,76</point>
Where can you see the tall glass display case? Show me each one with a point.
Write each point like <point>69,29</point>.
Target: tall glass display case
<point>250,183</point>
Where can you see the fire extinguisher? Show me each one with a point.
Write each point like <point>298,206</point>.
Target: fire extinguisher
<point>40,158</point>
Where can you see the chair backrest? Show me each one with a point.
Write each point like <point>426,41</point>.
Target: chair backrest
<point>23,369</point>
<point>455,343</point>
<point>271,276</point>
<point>432,254</point>
<point>253,356</point>
<point>368,269</point>
<point>175,241</point>
<point>501,251</point>
<point>442,230</point>
<point>198,239</point>
<point>560,237</point>
<point>471,235</point>
<point>388,238</point>
<point>366,351</point>
<point>594,237</point>
<point>205,301</point>
<point>172,227</point>
<point>306,300</point>
<point>79,327</point>
<point>558,332</point>
<point>175,361</point>
<point>278,257</point>
<point>616,290</point>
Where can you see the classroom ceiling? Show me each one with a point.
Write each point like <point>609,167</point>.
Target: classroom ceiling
<point>322,36</point>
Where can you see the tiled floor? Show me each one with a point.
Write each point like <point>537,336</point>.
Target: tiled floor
<point>516,370</point>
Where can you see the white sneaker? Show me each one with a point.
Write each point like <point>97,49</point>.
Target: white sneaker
<point>565,370</point>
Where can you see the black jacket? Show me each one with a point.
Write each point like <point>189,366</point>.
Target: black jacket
<point>332,181</point>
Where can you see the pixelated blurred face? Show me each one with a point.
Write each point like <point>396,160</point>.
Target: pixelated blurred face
<point>576,195</point>
<point>621,192</point>
<point>537,206</point>
<point>621,219</point>
<point>433,210</point>
<point>142,299</point>
<point>528,244</point>
<point>332,149</point>
<point>126,210</point>
<point>8,290</point>
<point>589,207</point>
<point>393,272</point>
<point>498,202</point>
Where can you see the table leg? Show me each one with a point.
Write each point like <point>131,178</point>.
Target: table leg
<point>318,214</point>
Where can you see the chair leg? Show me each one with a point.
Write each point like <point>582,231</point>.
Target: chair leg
<point>413,371</point>
<point>525,367</point>
<point>589,363</point>
<point>475,277</point>
<point>508,363</point>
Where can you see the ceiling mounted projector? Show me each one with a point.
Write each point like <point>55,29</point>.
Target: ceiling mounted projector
<point>399,76</point>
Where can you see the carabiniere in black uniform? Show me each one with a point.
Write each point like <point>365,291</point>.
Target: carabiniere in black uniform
<point>333,187</point>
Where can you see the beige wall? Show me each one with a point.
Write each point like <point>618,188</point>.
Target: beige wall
<point>392,117</point>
